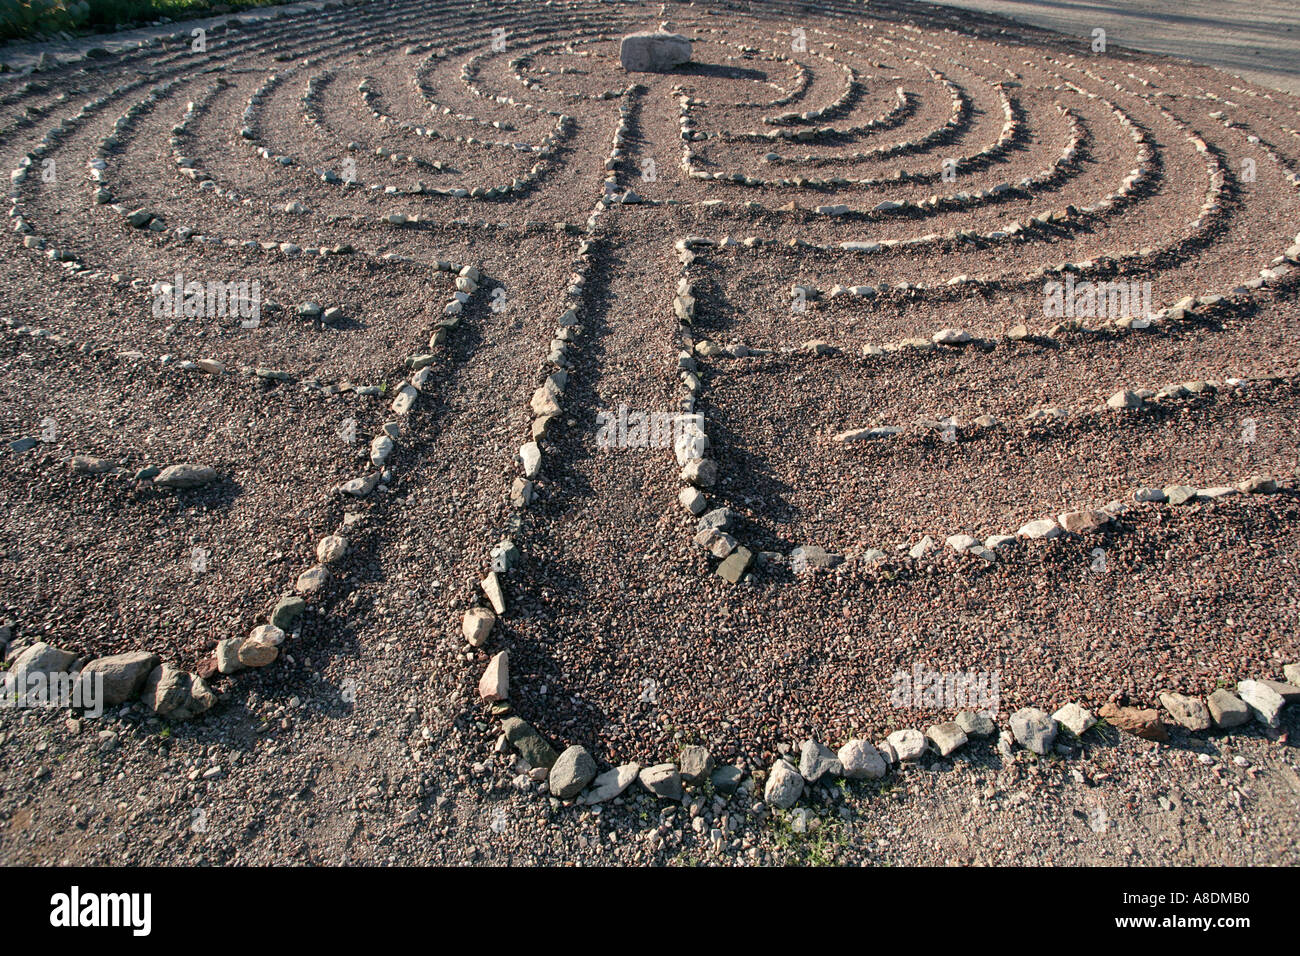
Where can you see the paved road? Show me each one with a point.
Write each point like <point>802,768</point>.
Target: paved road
<point>1256,39</point>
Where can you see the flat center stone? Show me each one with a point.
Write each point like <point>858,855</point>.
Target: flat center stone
<point>654,52</point>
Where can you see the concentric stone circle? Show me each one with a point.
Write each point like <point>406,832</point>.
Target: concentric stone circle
<point>903,311</point>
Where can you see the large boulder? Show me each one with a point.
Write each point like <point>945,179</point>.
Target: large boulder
<point>653,52</point>
<point>123,674</point>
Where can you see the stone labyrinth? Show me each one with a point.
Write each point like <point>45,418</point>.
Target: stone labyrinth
<point>870,339</point>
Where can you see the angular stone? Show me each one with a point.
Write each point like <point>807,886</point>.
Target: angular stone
<point>960,542</point>
<point>922,548</point>
<point>312,580</point>
<point>123,674</point>
<point>491,586</point>
<point>1257,485</point>
<point>975,724</point>
<point>166,689</point>
<point>1081,522</point>
<point>1227,710</point>
<point>331,548</point>
<point>259,648</point>
<point>1033,730</point>
<point>611,783</point>
<point>1141,722</point>
<point>816,760</point>
<point>1264,702</point>
<point>946,737</point>
<point>1044,528</point>
<point>531,456</point>
<point>1077,720</point>
<point>655,52</point>
<point>692,500</point>
<point>1153,495</point>
<point>663,781</point>
<point>574,769</point>
<point>784,786</point>
<point>702,472</point>
<point>907,744</point>
<point>1124,399</point>
<point>495,682</point>
<point>185,476</point>
<point>477,625</point>
<point>40,658</point>
<point>1180,494</point>
<point>697,764</point>
<point>1289,692</point>
<point>1189,712</point>
<point>736,564</point>
<point>859,760</point>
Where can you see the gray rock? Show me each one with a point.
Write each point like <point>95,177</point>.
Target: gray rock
<point>816,760</point>
<point>1289,692</point>
<point>123,674</point>
<point>907,744</point>
<point>42,658</point>
<point>975,724</point>
<point>653,52</point>
<point>663,781</point>
<point>736,565</point>
<point>1227,709</point>
<point>727,779</point>
<point>185,475</point>
<point>166,689</point>
<point>697,764</point>
<point>611,783</point>
<point>784,785</point>
<point>1180,494</point>
<point>228,655</point>
<point>861,761</point>
<point>574,769</point>
<point>1034,730</point>
<point>530,744</point>
<point>287,612</point>
<point>946,737</point>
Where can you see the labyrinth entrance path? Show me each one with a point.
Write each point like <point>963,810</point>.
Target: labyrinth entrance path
<point>818,264</point>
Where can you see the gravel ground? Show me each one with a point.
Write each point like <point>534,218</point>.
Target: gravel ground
<point>356,157</point>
